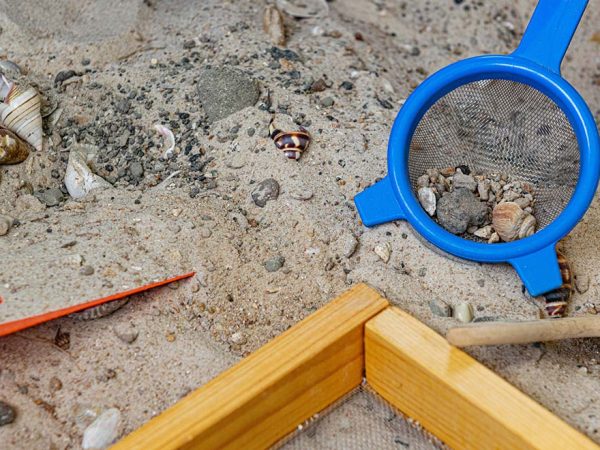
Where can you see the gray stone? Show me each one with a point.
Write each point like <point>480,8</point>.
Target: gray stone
<point>346,245</point>
<point>440,308</point>
<point>87,270</point>
<point>461,180</point>
<point>427,199</point>
<point>103,431</point>
<point>136,169</point>
<point>483,189</point>
<point>126,332</point>
<point>423,181</point>
<point>459,209</point>
<point>7,414</point>
<point>327,102</point>
<point>224,91</point>
<point>274,264</point>
<point>267,190</point>
<point>50,197</point>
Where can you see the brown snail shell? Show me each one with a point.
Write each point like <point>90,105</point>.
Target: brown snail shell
<point>511,222</point>
<point>12,149</point>
<point>292,143</point>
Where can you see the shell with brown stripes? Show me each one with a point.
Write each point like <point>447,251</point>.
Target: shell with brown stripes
<point>12,149</point>
<point>20,112</point>
<point>292,143</point>
<point>556,301</point>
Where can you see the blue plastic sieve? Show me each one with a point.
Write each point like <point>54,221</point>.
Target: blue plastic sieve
<point>509,114</point>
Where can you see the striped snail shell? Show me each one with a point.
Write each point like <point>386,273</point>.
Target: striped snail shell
<point>12,149</point>
<point>20,112</point>
<point>556,301</point>
<point>293,143</point>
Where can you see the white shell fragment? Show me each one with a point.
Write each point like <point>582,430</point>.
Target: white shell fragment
<point>273,25</point>
<point>103,431</point>
<point>79,178</point>
<point>384,251</point>
<point>427,200</point>
<point>304,9</point>
<point>169,137</point>
<point>20,112</point>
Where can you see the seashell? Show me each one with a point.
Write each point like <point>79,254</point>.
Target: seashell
<point>527,228</point>
<point>511,222</point>
<point>12,149</point>
<point>304,9</point>
<point>273,25</point>
<point>169,137</point>
<point>79,178</point>
<point>384,251</point>
<point>20,112</point>
<point>556,301</point>
<point>293,143</point>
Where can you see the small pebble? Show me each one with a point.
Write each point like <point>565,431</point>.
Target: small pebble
<point>103,431</point>
<point>327,102</point>
<point>274,264</point>
<point>440,308</point>
<point>5,224</point>
<point>582,283</point>
<point>55,384</point>
<point>126,332</point>
<point>346,244</point>
<point>87,270</point>
<point>238,338</point>
<point>303,195</point>
<point>461,180</point>
<point>384,251</point>
<point>7,414</point>
<point>51,197</point>
<point>463,312</point>
<point>266,191</point>
<point>427,200</point>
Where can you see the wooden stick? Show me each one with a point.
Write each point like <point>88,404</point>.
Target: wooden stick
<point>496,333</point>
<point>268,394</point>
<point>453,396</point>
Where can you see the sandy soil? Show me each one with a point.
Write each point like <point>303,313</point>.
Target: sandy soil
<point>190,333</point>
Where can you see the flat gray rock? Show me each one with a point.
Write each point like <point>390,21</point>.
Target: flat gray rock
<point>224,91</point>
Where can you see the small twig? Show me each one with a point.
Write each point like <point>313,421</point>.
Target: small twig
<point>140,50</point>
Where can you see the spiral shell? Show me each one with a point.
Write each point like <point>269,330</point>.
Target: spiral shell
<point>511,222</point>
<point>293,143</point>
<point>20,112</point>
<point>12,149</point>
<point>556,301</point>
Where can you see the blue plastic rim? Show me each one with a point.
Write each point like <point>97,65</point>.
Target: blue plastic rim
<point>536,62</point>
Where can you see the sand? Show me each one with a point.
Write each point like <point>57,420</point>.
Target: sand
<point>189,334</point>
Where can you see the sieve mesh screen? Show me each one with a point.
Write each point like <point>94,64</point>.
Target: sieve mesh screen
<point>503,127</point>
<point>361,420</point>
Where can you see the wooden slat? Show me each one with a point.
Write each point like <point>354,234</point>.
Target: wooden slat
<point>268,394</point>
<point>452,395</point>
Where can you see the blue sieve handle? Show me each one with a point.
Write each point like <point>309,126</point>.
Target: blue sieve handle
<point>539,270</point>
<point>377,204</point>
<point>549,32</point>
